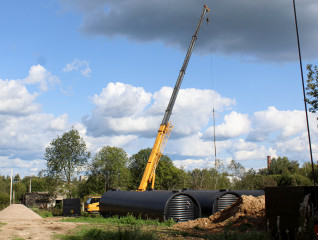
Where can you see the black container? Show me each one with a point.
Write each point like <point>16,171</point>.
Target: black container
<point>282,209</point>
<point>162,205</point>
<point>72,207</point>
<point>212,201</point>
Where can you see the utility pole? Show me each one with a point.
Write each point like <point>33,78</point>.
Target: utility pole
<point>30,184</point>
<point>11,188</point>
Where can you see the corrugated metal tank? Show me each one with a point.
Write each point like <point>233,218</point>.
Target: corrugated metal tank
<point>162,205</point>
<point>212,201</point>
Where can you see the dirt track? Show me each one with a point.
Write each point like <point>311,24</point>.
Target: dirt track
<point>22,222</point>
<point>41,229</point>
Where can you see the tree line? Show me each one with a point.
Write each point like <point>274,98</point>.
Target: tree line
<point>111,168</point>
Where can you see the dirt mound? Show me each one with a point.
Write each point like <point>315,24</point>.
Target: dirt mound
<point>246,212</point>
<point>18,211</point>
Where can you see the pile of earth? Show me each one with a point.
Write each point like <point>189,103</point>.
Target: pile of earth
<point>18,211</point>
<point>246,213</point>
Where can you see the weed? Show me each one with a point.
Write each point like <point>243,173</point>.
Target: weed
<point>121,233</point>
<point>196,227</point>
<point>42,212</point>
<point>128,220</point>
<point>227,235</point>
<point>2,224</point>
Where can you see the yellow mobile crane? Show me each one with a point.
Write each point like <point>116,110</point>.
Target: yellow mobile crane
<point>166,127</point>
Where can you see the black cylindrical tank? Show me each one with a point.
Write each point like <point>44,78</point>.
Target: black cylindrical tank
<point>212,201</point>
<point>162,205</point>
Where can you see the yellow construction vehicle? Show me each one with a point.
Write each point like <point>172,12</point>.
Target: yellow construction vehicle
<point>92,204</point>
<point>166,127</point>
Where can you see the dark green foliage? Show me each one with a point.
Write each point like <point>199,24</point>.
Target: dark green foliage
<point>207,179</point>
<point>312,88</point>
<point>291,180</point>
<point>38,184</point>
<point>252,180</point>
<point>93,186</point>
<point>110,164</point>
<point>167,175</point>
<point>4,200</point>
<point>283,165</point>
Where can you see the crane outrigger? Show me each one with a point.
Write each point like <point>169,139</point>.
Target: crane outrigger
<point>166,127</point>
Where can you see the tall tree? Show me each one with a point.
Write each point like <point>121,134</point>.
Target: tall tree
<point>312,87</point>
<point>65,156</point>
<point>111,163</point>
<point>236,169</point>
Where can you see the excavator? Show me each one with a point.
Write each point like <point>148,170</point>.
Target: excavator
<point>166,127</point>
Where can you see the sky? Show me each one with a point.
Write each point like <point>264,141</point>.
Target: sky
<point>108,68</point>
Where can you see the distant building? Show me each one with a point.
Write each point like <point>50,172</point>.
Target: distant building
<point>42,200</point>
<point>83,178</point>
<point>39,199</point>
<point>233,178</point>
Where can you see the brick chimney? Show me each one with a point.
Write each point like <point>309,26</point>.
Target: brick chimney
<point>269,161</point>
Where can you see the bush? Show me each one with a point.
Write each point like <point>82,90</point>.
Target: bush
<point>4,200</point>
<point>121,233</point>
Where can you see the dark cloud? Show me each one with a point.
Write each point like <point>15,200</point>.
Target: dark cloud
<point>254,29</point>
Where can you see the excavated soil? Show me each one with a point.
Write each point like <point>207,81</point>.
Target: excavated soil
<point>246,213</point>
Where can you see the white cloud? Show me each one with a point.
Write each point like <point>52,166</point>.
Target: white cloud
<point>29,135</point>
<point>122,108</point>
<point>234,125</point>
<point>78,65</point>
<point>59,123</point>
<point>193,109</point>
<point>190,164</point>
<point>15,98</point>
<point>39,75</point>
<point>258,153</point>
<point>284,123</point>
<point>121,100</point>
<point>20,166</point>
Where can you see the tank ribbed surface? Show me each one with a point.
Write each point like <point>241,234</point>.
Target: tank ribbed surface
<point>226,200</point>
<point>181,208</point>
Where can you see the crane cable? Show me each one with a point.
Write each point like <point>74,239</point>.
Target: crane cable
<point>213,93</point>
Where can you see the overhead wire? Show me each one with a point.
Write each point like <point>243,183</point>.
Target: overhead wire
<point>304,93</point>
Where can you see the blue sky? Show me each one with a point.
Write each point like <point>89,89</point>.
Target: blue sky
<point>108,68</point>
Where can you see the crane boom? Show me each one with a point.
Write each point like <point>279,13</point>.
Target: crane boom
<point>165,127</point>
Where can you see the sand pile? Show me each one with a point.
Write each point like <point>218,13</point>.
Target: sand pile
<point>247,210</point>
<point>18,211</point>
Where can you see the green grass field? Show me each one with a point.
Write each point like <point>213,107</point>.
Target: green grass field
<point>129,228</point>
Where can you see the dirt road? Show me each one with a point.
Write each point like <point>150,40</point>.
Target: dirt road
<point>40,229</point>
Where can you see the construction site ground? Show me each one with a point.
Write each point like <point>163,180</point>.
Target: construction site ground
<point>247,214</point>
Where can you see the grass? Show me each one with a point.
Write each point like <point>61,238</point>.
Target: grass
<point>1,225</point>
<point>48,213</point>
<point>129,228</point>
<point>121,233</point>
<point>128,220</point>
<point>42,212</point>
